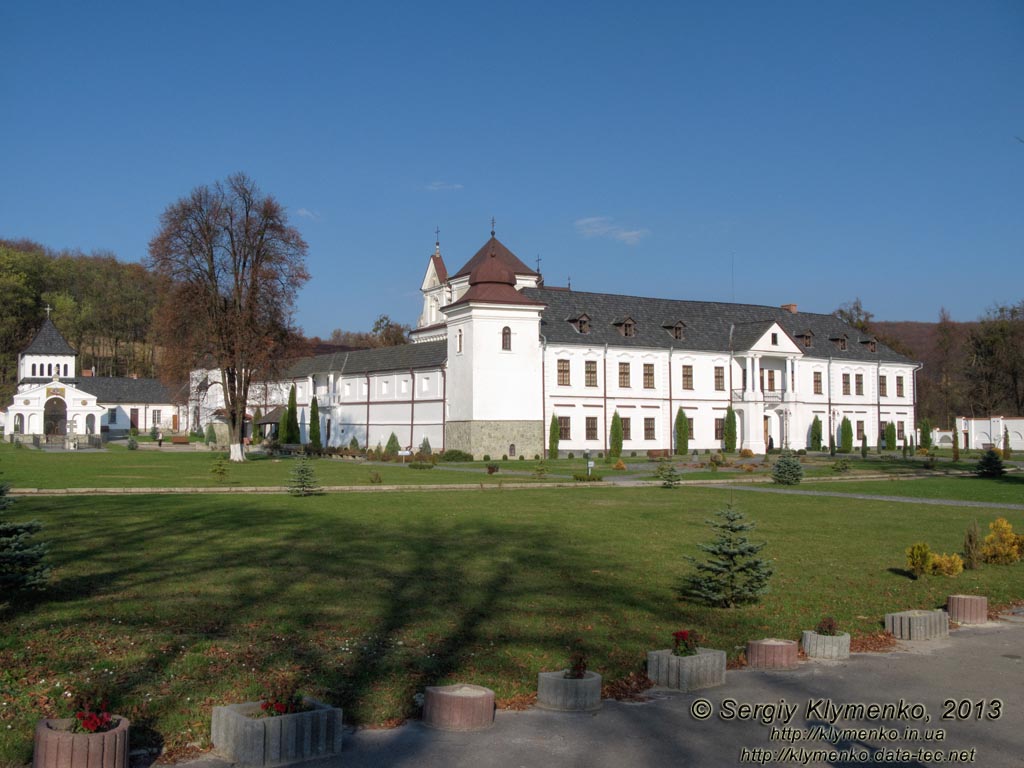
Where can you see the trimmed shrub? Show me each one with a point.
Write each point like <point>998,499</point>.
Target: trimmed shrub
<point>926,433</point>
<point>947,565</point>
<point>420,465</point>
<point>375,478</point>
<point>667,473</point>
<point>682,430</point>
<point>293,435</point>
<point>455,455</point>
<point>393,447</point>
<point>314,426</point>
<point>1007,453</point>
<point>787,470</point>
<point>353,444</point>
<point>540,471</point>
<point>571,455</point>
<point>583,477</point>
<point>554,435</point>
<point>504,457</point>
<point>956,444</point>
<point>864,446</point>
<point>845,436</point>
<point>1000,547</point>
<point>492,468</point>
<point>133,444</point>
<point>972,547</point>
<point>619,465</point>
<point>890,436</point>
<point>615,436</point>
<point>841,465</point>
<point>990,465</point>
<point>486,457</point>
<point>425,447</point>
<point>919,559</point>
<point>729,435</point>
<point>816,434</point>
<point>746,453</point>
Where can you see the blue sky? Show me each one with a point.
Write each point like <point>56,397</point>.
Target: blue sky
<point>828,150</point>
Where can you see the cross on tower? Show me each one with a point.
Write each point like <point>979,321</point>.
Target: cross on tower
<point>492,226</point>
<point>437,235</point>
<point>538,263</point>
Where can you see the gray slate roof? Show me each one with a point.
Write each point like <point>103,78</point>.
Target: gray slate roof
<point>117,389</point>
<point>49,341</point>
<point>401,358</point>
<point>707,324</point>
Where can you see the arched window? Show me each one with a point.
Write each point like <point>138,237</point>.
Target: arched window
<point>506,338</point>
<point>33,369</point>
<point>49,369</point>
<point>65,369</point>
<point>458,342</point>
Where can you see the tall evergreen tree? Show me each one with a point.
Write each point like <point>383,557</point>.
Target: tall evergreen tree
<point>890,436</point>
<point>816,434</point>
<point>282,426</point>
<point>553,437</point>
<point>682,433</point>
<point>845,436</point>
<point>293,434</point>
<point>615,437</point>
<point>956,444</point>
<point>729,435</point>
<point>733,574</point>
<point>21,561</point>
<point>314,425</point>
<point>1007,454</point>
<point>393,446</point>
<point>926,433</point>
<point>257,417</point>
<point>864,445</point>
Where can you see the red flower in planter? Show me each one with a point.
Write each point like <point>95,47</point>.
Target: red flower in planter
<point>99,721</point>
<point>686,642</point>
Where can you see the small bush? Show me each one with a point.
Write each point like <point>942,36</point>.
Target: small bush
<point>487,457</point>
<point>420,465</point>
<point>1000,547</point>
<point>583,477</point>
<point>302,480</point>
<point>133,444</point>
<point>919,559</point>
<point>947,565</point>
<point>425,448</point>
<point>536,457</point>
<point>746,453</point>
<point>990,464</point>
<point>972,547</point>
<point>492,468</point>
<point>667,473</point>
<point>841,465</point>
<point>219,470</point>
<point>632,454</point>
<point>375,478</point>
<point>521,457</point>
<point>393,446</point>
<point>827,626</point>
<point>353,444</point>
<point>504,457</point>
<point>787,470</point>
<point>802,452</point>
<point>571,455</point>
<point>600,454</point>
<point>456,455</point>
<point>619,465</point>
<point>540,471</point>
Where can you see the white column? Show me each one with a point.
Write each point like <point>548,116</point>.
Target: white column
<point>757,373</point>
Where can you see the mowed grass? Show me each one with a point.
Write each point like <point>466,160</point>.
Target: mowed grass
<point>178,603</point>
<point>1006,490</point>
<point>156,468</point>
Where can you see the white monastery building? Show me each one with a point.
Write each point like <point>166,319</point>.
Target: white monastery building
<point>496,354</point>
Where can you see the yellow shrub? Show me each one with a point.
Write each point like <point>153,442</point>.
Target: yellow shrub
<point>746,453</point>
<point>919,559</point>
<point>619,465</point>
<point>947,565</point>
<point>1000,545</point>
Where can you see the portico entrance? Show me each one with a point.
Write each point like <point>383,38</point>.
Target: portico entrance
<point>55,417</point>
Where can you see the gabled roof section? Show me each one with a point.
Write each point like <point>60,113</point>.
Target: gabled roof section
<point>746,335</point>
<point>436,274</point>
<point>503,254</point>
<point>707,324</point>
<point>429,354</point>
<point>49,341</point>
<point>122,389</point>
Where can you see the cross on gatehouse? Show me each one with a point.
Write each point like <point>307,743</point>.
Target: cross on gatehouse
<point>48,309</point>
<point>492,226</point>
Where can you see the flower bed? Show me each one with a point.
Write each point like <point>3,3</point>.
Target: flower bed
<point>268,741</point>
<point>57,746</point>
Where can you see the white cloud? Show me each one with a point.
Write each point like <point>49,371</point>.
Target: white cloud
<point>602,226</point>
<point>439,186</point>
<point>308,214</point>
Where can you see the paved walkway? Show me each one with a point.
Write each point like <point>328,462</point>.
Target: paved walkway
<point>973,668</point>
<point>874,497</point>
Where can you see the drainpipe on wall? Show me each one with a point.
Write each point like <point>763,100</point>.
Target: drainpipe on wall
<point>831,426</point>
<point>367,411</point>
<point>671,417</point>
<point>444,407</point>
<point>604,397</point>
<point>543,396</point>
<point>412,408</point>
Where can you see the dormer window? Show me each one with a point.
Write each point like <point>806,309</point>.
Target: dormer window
<point>675,330</point>
<point>871,344</point>
<point>840,341</point>
<point>626,327</point>
<point>807,340</point>
<point>580,322</point>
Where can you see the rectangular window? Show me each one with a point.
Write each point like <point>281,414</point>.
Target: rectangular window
<point>591,427</point>
<point>858,383</point>
<point>648,429</point>
<point>883,387</point>
<point>771,381</point>
<point>154,418</point>
<point>624,375</point>
<point>775,339</point>
<point>899,430</point>
<point>719,429</point>
<point>817,382</point>
<point>348,389</point>
<point>860,430</point>
<point>627,430</point>
<point>719,378</point>
<point>563,373</point>
<point>687,377</point>
<point>564,428</point>
<point>846,383</point>
<point>648,375</point>
<point>590,372</point>
<point>111,415</point>
<point>899,386</point>
<point>689,423</point>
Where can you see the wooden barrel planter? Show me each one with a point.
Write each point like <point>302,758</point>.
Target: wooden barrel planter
<point>569,694</point>
<point>259,742</point>
<point>57,746</point>
<point>917,625</point>
<point>825,646</point>
<point>968,609</point>
<point>772,653</point>
<point>458,707</point>
<point>705,669</point>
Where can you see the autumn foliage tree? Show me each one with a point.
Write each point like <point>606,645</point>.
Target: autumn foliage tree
<point>230,267</point>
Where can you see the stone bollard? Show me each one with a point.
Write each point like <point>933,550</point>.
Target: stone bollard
<point>968,609</point>
<point>772,653</point>
<point>917,625</point>
<point>705,669</point>
<point>458,707</point>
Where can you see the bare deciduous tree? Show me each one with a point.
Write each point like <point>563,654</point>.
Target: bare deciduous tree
<point>230,269</point>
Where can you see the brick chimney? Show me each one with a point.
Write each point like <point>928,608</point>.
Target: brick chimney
<point>789,308</point>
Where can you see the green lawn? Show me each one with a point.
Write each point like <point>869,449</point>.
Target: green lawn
<point>182,602</point>
<point>1008,489</point>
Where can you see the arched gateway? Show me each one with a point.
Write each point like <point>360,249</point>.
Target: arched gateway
<point>55,417</point>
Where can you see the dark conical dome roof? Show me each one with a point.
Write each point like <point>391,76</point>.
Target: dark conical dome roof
<point>492,270</point>
<point>49,341</point>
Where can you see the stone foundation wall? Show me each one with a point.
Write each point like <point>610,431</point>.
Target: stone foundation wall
<point>495,438</point>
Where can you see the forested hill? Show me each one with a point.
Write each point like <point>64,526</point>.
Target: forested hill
<point>102,306</point>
